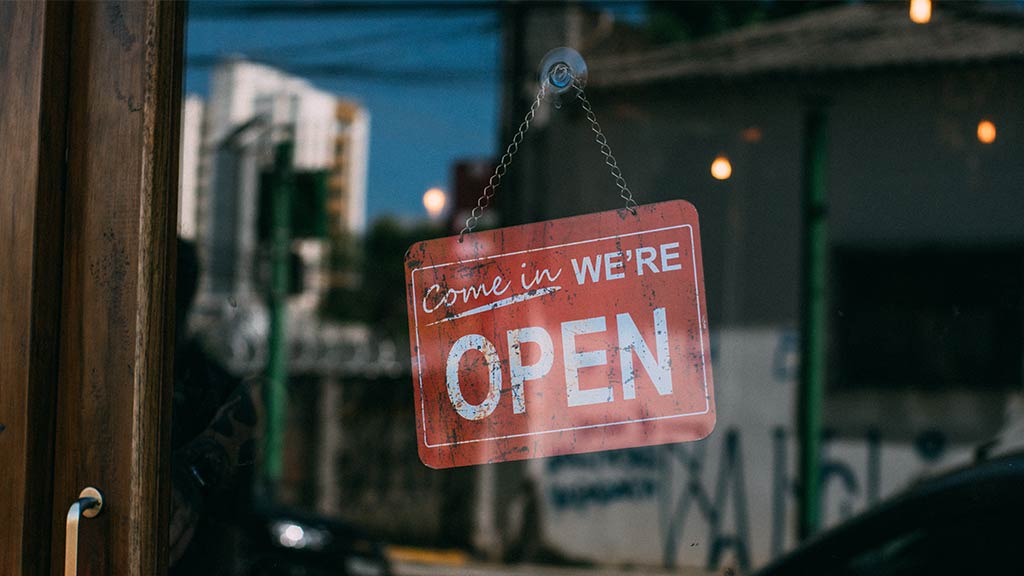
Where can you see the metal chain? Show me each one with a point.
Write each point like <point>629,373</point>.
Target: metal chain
<point>492,185</point>
<point>609,159</point>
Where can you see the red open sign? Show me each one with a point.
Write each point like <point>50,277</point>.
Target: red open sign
<point>574,335</point>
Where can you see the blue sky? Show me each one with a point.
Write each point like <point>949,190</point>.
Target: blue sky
<point>419,127</point>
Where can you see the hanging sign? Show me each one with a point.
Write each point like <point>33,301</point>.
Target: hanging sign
<point>574,335</point>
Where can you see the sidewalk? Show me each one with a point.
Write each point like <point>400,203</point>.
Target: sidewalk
<point>410,569</point>
<point>464,567</point>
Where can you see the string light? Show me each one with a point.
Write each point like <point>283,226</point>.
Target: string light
<point>921,11</point>
<point>986,132</point>
<point>721,168</point>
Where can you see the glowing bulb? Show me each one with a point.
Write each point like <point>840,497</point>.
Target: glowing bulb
<point>721,169</point>
<point>291,537</point>
<point>921,11</point>
<point>986,132</point>
<point>434,201</point>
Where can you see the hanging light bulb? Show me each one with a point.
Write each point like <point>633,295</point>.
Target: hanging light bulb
<point>921,11</point>
<point>721,168</point>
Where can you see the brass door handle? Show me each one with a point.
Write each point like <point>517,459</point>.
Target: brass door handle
<point>89,504</point>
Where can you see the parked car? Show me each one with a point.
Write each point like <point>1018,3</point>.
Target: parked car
<point>289,543</point>
<point>964,522</point>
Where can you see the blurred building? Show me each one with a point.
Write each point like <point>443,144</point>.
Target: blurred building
<point>192,179</point>
<point>926,246</point>
<point>248,106</point>
<point>346,204</point>
<point>241,90</point>
<point>346,197</point>
<point>469,179</point>
<point>227,149</point>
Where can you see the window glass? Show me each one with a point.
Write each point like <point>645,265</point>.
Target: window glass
<point>856,170</point>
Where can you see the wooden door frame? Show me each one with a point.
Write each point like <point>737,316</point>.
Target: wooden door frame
<point>34,41</point>
<point>89,205</point>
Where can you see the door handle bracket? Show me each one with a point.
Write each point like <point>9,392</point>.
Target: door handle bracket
<point>89,504</point>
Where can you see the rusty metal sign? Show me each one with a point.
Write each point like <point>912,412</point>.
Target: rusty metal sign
<point>574,335</point>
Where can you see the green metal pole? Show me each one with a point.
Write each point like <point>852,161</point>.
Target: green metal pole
<point>277,363</point>
<point>813,328</point>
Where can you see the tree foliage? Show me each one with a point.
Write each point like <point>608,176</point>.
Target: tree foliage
<point>378,297</point>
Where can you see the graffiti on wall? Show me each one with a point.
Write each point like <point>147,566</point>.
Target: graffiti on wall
<point>677,478</point>
<point>732,495</point>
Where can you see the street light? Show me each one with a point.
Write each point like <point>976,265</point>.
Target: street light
<point>434,201</point>
<point>721,168</point>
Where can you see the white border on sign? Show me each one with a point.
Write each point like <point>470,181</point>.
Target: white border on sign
<point>700,320</point>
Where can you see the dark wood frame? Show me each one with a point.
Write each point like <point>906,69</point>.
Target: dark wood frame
<point>90,97</point>
<point>33,106</point>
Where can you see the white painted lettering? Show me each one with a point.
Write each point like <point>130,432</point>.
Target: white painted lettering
<point>432,289</point>
<point>575,360</point>
<point>646,256</point>
<point>630,342</point>
<point>613,260</point>
<point>453,295</point>
<point>666,256</point>
<point>539,276</point>
<point>519,373</point>
<point>594,269</point>
<point>464,408</point>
